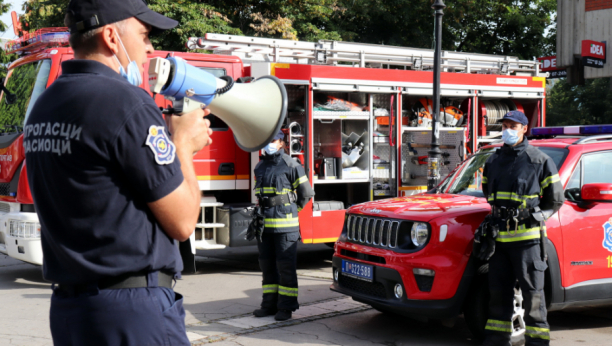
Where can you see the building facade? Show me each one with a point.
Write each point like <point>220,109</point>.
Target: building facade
<point>579,20</point>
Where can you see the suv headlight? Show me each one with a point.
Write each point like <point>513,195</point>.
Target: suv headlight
<point>419,234</point>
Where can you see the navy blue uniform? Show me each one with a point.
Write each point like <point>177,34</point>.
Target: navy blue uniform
<point>519,178</point>
<point>279,174</point>
<point>97,152</point>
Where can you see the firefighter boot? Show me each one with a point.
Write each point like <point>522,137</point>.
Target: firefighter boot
<point>264,312</point>
<point>283,315</point>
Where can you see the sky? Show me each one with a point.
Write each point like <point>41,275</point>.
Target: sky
<point>6,18</point>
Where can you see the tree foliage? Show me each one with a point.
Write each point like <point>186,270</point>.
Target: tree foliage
<point>579,104</point>
<point>508,27</point>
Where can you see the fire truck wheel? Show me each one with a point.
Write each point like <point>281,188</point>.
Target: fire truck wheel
<point>475,311</point>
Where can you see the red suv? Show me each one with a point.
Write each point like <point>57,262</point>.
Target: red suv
<point>413,255</point>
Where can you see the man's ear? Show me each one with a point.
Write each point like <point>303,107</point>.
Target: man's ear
<point>525,127</point>
<point>109,38</point>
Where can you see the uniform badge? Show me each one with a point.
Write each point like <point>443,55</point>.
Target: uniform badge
<point>163,149</point>
<point>607,243</point>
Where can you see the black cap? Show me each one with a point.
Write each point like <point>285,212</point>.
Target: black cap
<point>92,14</point>
<point>516,116</point>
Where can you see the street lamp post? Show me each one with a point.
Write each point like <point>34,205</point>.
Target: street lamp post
<point>433,173</point>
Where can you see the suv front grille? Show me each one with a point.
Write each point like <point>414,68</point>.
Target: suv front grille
<point>372,231</point>
<point>374,289</point>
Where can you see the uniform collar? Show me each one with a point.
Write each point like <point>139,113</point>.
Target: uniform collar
<point>274,157</point>
<point>89,66</point>
<point>516,150</point>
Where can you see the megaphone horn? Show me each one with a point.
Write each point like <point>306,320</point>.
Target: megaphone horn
<point>254,111</point>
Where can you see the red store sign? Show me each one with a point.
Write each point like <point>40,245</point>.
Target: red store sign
<point>593,53</point>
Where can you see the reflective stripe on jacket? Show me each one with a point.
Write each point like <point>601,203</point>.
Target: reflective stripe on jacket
<point>522,177</point>
<point>279,174</point>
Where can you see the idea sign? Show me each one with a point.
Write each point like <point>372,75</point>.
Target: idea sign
<point>549,63</point>
<point>593,53</point>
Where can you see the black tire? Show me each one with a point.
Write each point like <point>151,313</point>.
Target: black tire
<point>476,307</point>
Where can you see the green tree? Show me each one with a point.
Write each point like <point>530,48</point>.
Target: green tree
<point>4,58</point>
<point>579,104</point>
<point>507,27</point>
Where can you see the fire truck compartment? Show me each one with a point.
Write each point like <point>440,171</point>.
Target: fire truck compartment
<point>236,218</point>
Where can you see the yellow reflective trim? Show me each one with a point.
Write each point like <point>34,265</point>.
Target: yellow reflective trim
<point>288,288</point>
<point>509,323</point>
<point>499,329</point>
<point>301,180</point>
<point>550,180</point>
<point>484,180</point>
<point>545,337</point>
<point>545,330</point>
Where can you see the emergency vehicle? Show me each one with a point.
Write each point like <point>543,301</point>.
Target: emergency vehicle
<point>358,121</point>
<point>413,255</point>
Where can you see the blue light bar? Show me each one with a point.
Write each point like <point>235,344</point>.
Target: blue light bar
<point>572,130</point>
<point>596,129</point>
<point>540,131</point>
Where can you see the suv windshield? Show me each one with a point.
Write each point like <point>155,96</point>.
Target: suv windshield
<point>27,82</point>
<point>467,179</point>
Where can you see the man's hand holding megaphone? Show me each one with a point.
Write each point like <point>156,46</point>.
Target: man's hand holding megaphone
<point>190,132</point>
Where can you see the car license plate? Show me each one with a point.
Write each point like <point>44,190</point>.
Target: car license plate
<point>358,271</point>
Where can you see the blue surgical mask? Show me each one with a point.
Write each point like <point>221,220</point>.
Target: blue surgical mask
<point>271,148</point>
<point>510,137</point>
<point>133,75</point>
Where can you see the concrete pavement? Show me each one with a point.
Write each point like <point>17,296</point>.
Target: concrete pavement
<point>219,300</point>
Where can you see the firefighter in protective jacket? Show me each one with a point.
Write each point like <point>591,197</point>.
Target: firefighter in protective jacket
<point>282,189</point>
<point>522,185</point>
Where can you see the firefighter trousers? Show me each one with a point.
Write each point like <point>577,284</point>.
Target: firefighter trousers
<point>277,260</point>
<point>506,266</point>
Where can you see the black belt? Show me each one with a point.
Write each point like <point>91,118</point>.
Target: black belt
<point>510,213</point>
<point>272,201</point>
<point>118,282</point>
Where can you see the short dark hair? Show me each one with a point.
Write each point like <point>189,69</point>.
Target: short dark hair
<point>85,42</point>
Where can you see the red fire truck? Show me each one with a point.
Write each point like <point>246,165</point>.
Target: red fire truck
<point>358,120</point>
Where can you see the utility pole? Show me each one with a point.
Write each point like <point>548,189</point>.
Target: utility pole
<point>433,173</point>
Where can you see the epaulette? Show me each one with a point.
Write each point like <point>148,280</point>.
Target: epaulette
<point>535,154</point>
<point>290,161</point>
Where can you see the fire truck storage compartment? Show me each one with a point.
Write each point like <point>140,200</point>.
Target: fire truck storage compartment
<point>415,146</point>
<point>383,164</point>
<point>296,123</point>
<point>491,109</point>
<point>346,193</point>
<point>236,217</point>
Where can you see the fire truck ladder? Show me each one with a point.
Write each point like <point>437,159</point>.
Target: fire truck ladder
<point>325,52</point>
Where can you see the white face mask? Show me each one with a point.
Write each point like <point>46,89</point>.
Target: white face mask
<point>133,75</point>
<point>510,137</point>
<point>271,148</point>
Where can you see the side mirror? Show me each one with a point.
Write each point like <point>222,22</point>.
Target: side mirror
<point>597,192</point>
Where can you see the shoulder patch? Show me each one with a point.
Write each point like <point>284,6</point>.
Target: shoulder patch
<point>161,146</point>
<point>290,161</point>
